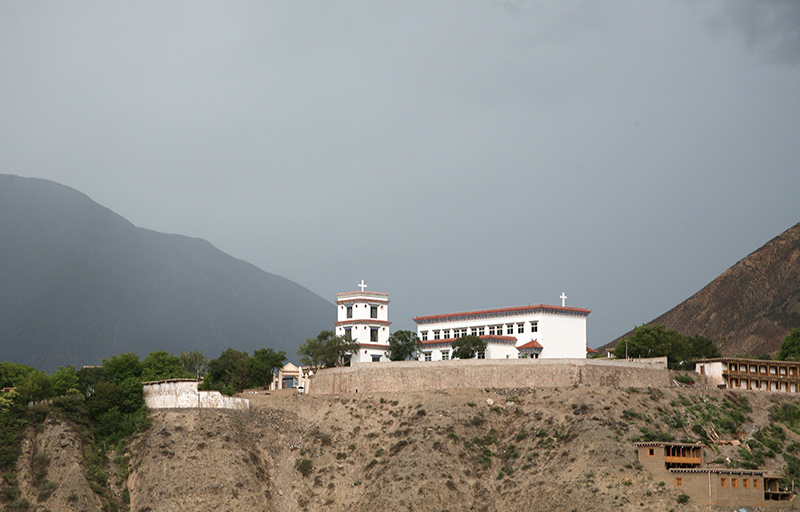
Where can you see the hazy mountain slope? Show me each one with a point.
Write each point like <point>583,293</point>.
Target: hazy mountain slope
<point>752,306</point>
<point>80,283</point>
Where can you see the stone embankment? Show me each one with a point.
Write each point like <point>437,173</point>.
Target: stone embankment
<point>495,373</point>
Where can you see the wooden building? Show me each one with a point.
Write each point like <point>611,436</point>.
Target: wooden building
<point>682,467</point>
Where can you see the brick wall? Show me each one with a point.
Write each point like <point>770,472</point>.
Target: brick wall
<point>489,373</point>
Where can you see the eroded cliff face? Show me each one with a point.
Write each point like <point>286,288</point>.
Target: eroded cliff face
<point>547,449</point>
<point>51,471</point>
<point>199,459</point>
<point>499,450</point>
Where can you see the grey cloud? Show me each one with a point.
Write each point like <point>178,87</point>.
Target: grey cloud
<point>770,29</point>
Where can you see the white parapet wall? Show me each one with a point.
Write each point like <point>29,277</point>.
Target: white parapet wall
<point>183,394</point>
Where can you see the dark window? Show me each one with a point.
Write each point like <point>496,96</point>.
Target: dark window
<point>349,311</point>
<point>373,334</point>
<point>534,327</point>
<point>375,358</point>
<point>373,312</point>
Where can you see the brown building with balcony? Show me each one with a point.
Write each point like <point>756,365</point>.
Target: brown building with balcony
<point>681,466</point>
<point>751,374</point>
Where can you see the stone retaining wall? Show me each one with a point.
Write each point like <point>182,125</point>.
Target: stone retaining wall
<point>183,394</point>
<point>489,373</point>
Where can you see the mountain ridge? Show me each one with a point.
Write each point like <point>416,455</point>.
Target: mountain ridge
<point>748,309</point>
<point>81,282</point>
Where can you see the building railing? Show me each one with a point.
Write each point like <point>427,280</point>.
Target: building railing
<point>669,459</point>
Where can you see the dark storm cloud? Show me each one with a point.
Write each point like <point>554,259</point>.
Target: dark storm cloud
<point>769,29</point>
<point>458,155</point>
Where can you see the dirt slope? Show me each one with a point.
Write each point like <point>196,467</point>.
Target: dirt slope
<point>51,472</point>
<point>523,450</point>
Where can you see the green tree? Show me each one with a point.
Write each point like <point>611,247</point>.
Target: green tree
<point>194,363</point>
<point>230,372</point>
<point>790,347</point>
<point>14,374</point>
<point>658,341</point>
<point>327,350</point>
<point>89,377</point>
<point>467,347</point>
<point>162,365</point>
<point>63,379</point>
<point>122,366</point>
<point>403,345</point>
<point>264,363</point>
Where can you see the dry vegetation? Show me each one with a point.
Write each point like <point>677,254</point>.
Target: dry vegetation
<point>510,450</point>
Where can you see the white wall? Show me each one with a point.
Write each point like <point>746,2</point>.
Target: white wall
<point>711,370</point>
<point>183,394</point>
<point>562,335</point>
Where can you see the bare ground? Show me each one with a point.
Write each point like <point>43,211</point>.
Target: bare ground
<point>484,450</point>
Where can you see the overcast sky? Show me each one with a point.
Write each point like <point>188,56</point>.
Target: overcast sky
<point>458,154</point>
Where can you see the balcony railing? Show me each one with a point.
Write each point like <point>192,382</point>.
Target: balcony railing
<point>670,459</point>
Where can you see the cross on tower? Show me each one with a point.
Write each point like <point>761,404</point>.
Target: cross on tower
<point>362,285</point>
<point>563,298</point>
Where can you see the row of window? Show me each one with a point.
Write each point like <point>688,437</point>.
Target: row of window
<point>773,370</point>
<point>373,311</point>
<point>446,355</point>
<point>723,482</point>
<point>492,330</point>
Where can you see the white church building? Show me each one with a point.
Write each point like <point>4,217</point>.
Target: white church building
<point>524,331</point>
<point>364,316</point>
<point>510,333</point>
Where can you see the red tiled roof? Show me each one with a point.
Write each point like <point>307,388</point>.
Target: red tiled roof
<point>373,296</point>
<point>501,311</point>
<point>363,321</point>
<point>530,344</point>
<point>591,350</point>
<point>372,345</point>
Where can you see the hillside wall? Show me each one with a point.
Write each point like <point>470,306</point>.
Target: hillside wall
<point>489,373</point>
<point>183,394</point>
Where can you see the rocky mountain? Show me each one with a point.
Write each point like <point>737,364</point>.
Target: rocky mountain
<point>752,306</point>
<point>79,283</point>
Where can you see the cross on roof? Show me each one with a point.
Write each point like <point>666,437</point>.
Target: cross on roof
<point>362,285</point>
<point>563,298</point>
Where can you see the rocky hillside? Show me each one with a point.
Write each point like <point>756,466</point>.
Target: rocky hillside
<point>487,450</point>
<point>80,283</point>
<point>751,307</point>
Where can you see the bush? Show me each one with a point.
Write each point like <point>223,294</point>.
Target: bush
<point>304,466</point>
<point>682,498</point>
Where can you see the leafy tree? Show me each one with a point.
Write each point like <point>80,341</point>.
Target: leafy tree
<point>403,345</point>
<point>162,365</point>
<point>230,372</point>
<point>326,350</point>
<point>107,395</point>
<point>790,347</point>
<point>14,374</point>
<point>123,366</point>
<point>466,347</point>
<point>658,341</point>
<point>89,377</point>
<point>263,364</point>
<point>194,363</point>
<point>63,379</point>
